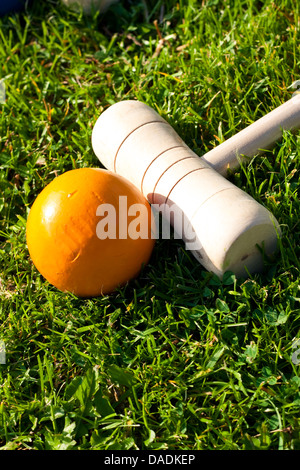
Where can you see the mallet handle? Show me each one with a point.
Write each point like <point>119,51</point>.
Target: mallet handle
<point>252,140</point>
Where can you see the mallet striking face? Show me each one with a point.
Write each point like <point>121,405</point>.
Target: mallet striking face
<point>222,224</point>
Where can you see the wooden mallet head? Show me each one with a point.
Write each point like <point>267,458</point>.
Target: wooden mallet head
<point>221,224</point>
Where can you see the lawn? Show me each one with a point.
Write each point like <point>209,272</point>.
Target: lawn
<point>176,359</point>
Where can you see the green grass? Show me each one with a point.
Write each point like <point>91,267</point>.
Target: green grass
<point>177,359</point>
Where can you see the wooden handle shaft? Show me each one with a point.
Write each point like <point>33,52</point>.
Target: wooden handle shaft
<point>259,136</point>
